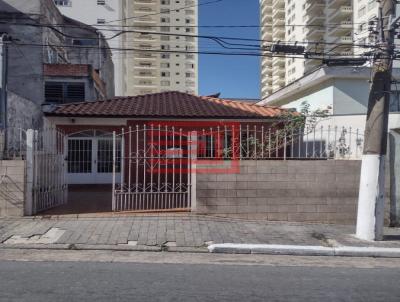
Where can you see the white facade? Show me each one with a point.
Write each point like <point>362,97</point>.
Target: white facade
<point>173,66</point>
<point>342,91</point>
<point>99,13</point>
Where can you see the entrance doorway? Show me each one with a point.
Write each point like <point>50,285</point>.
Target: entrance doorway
<point>90,157</point>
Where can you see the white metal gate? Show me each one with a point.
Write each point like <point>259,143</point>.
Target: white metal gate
<point>46,170</point>
<point>155,169</point>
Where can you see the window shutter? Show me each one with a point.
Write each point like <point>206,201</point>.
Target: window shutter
<point>53,92</point>
<point>75,92</point>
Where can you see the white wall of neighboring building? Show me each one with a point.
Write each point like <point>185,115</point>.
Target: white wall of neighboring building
<point>319,100</point>
<point>94,12</point>
<point>344,91</point>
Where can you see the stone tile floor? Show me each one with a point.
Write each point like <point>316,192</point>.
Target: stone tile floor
<point>177,230</point>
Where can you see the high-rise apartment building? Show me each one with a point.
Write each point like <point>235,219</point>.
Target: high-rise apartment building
<point>165,56</point>
<point>150,59</point>
<point>104,15</point>
<point>364,12</point>
<point>323,26</point>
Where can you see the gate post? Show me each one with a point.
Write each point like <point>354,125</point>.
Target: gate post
<point>114,170</point>
<point>193,170</point>
<point>64,154</point>
<point>29,172</point>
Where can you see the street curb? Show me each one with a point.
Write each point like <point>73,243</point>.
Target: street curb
<point>301,250</point>
<point>82,247</point>
<point>104,247</point>
<point>35,246</point>
<point>184,249</point>
<point>226,248</point>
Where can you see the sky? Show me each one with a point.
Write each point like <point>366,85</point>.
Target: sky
<point>236,76</point>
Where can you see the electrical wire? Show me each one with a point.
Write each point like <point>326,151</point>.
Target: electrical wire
<point>110,26</point>
<point>217,39</point>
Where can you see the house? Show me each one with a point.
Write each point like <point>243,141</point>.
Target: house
<point>341,91</point>
<point>175,110</point>
<point>52,59</point>
<point>146,144</point>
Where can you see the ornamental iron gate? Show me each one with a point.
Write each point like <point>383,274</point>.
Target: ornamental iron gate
<point>46,170</point>
<point>154,169</point>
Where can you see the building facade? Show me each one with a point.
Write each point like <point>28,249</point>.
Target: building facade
<point>319,25</point>
<point>156,60</point>
<point>106,16</point>
<point>49,61</point>
<point>342,92</point>
<point>161,61</point>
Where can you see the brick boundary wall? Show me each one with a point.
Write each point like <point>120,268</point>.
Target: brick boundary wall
<point>12,188</point>
<point>293,190</point>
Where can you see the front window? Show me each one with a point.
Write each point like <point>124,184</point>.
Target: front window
<point>64,92</point>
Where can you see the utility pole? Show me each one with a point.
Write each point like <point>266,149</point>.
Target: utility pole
<point>4,39</point>
<point>371,199</point>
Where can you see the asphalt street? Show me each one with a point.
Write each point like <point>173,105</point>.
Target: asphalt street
<point>222,281</point>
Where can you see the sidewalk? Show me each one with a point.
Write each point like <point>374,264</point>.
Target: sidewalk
<point>174,232</point>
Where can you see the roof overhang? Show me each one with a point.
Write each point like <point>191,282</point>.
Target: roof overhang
<point>314,80</point>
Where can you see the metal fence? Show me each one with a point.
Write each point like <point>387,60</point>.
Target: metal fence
<point>247,142</point>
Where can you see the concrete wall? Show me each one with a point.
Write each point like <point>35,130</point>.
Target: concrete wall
<point>26,61</point>
<point>319,98</point>
<point>12,187</point>
<point>23,113</point>
<point>338,94</point>
<point>302,191</point>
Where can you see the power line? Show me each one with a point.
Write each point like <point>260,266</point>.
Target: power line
<point>161,51</point>
<point>220,39</point>
<point>109,26</point>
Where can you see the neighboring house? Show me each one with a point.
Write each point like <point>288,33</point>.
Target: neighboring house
<point>52,60</point>
<point>99,14</point>
<point>351,25</point>
<point>153,66</point>
<point>89,126</point>
<point>342,91</point>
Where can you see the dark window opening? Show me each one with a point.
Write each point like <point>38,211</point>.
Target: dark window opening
<point>60,92</point>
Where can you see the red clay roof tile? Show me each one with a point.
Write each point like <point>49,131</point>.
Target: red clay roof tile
<point>170,104</point>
